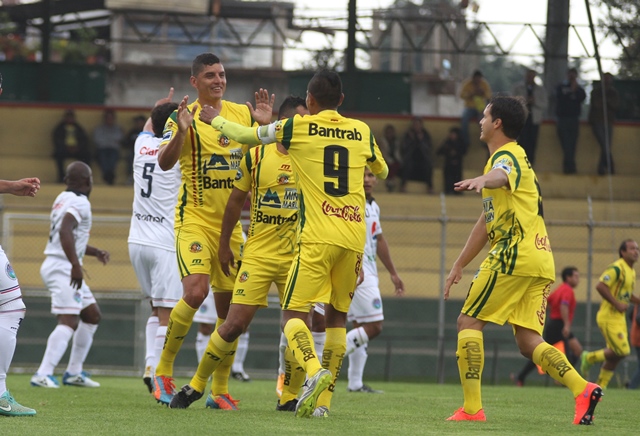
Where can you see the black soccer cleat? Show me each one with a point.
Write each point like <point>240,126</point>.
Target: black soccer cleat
<point>289,406</point>
<point>184,398</point>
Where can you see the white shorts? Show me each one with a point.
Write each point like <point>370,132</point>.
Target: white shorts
<point>207,314</point>
<point>10,294</point>
<point>366,306</point>
<point>65,300</point>
<point>157,272</point>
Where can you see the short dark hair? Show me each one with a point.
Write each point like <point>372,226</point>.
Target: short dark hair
<point>477,73</point>
<point>568,272</point>
<point>326,88</point>
<point>512,111</point>
<point>201,60</point>
<point>623,246</point>
<point>289,106</point>
<point>159,116</point>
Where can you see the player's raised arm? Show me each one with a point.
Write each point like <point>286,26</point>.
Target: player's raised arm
<point>170,152</point>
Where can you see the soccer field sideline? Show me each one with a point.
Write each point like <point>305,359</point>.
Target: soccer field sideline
<point>123,406</point>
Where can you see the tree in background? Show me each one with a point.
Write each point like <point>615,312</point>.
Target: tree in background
<point>623,20</point>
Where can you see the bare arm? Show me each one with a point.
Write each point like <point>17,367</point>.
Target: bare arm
<point>22,188</point>
<point>496,178</point>
<point>476,241</point>
<point>69,247</point>
<point>385,256</point>
<point>229,220</point>
<point>170,153</point>
<point>102,255</point>
<point>564,313</point>
<point>605,292</point>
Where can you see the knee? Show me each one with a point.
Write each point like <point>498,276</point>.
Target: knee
<point>374,330</point>
<point>230,330</point>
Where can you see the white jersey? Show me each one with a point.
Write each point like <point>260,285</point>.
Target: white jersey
<point>372,219</point>
<point>155,196</point>
<point>78,205</point>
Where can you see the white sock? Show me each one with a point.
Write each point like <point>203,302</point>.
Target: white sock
<point>158,344</point>
<point>241,353</point>
<point>356,338</point>
<point>9,325</point>
<point>56,347</point>
<point>202,341</point>
<point>150,339</point>
<point>357,361</point>
<point>319,339</point>
<point>80,346</point>
<point>281,348</point>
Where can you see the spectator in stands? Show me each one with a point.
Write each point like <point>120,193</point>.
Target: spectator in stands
<point>475,92</point>
<point>536,99</point>
<point>128,144</point>
<point>453,151</point>
<point>603,130</point>
<point>634,383</point>
<point>390,148</point>
<point>108,139</point>
<point>70,140</point>
<point>416,154</point>
<point>569,98</point>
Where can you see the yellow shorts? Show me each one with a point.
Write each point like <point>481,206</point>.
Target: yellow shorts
<point>322,273</point>
<point>255,276</point>
<point>496,297</point>
<point>197,252</point>
<point>614,330</point>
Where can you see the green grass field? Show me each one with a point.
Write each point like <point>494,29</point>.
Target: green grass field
<point>122,406</point>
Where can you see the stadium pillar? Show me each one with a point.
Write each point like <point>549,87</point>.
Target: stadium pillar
<point>556,48</point>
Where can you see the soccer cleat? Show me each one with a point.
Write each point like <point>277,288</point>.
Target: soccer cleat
<point>82,380</point>
<point>164,389</point>
<point>366,389</point>
<point>312,388</point>
<point>461,415</point>
<point>586,404</point>
<point>184,397</point>
<point>10,407</point>
<point>321,412</point>
<point>289,406</point>
<point>241,376</point>
<point>45,381</point>
<point>585,366</point>
<point>280,385</point>
<point>224,402</point>
<point>146,378</point>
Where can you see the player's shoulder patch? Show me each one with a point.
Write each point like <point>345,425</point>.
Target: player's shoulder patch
<point>504,163</point>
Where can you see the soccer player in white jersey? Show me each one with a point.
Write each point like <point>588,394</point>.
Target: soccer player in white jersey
<point>366,307</point>
<point>71,299</point>
<point>151,239</point>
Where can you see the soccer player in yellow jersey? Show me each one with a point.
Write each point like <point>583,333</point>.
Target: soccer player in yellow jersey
<point>266,172</point>
<point>513,282</point>
<point>616,286</point>
<point>209,161</point>
<point>328,153</point>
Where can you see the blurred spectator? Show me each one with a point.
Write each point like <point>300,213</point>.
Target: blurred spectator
<point>569,98</point>
<point>390,148</point>
<point>128,144</point>
<point>70,141</point>
<point>453,151</point>
<point>416,154</point>
<point>597,121</point>
<point>475,92</point>
<point>108,138</point>
<point>536,99</point>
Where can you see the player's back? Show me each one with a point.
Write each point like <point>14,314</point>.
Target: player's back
<point>329,153</point>
<point>78,205</point>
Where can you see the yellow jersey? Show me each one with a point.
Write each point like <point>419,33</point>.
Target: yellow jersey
<point>621,280</point>
<point>329,153</point>
<point>514,218</point>
<point>268,175</point>
<point>209,162</point>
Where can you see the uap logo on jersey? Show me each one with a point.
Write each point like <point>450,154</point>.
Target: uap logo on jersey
<point>239,175</point>
<point>10,272</point>
<point>223,141</point>
<point>504,163</point>
<point>166,136</point>
<point>244,276</point>
<point>377,303</point>
<point>282,179</point>
<point>195,247</point>
<point>606,278</point>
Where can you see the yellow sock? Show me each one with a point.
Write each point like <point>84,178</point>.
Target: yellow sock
<point>334,350</point>
<point>470,355</point>
<point>596,356</point>
<point>301,343</point>
<point>604,378</point>
<point>180,321</point>
<point>556,364</point>
<point>217,351</point>
<point>220,377</point>
<point>294,376</point>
